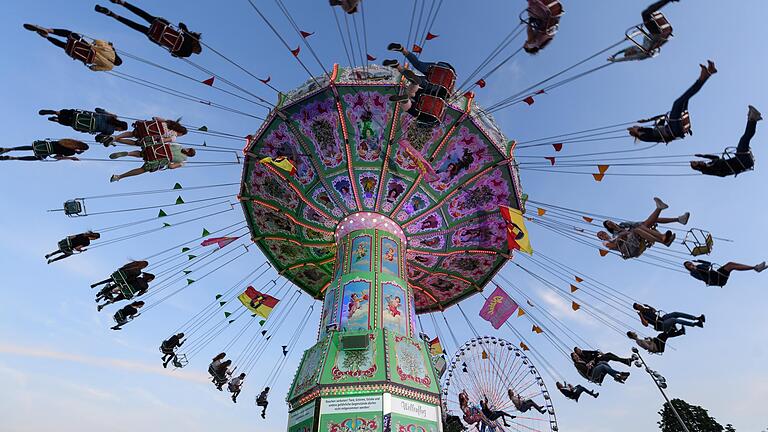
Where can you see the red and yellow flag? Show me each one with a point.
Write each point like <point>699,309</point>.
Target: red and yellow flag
<point>517,234</point>
<point>435,348</point>
<point>281,162</point>
<point>257,302</point>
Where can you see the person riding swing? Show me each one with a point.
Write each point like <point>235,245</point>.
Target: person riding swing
<point>98,55</point>
<point>543,21</point>
<point>732,162</point>
<point>73,244</point>
<point>127,314</point>
<point>157,156</point>
<point>98,122</point>
<point>168,348</point>
<point>179,41</point>
<point>63,149</point>
<point>656,31</point>
<point>261,400</point>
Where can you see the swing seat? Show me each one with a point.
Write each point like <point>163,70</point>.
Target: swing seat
<point>164,34</point>
<point>218,378</point>
<point>42,148</point>
<point>80,49</point>
<point>66,246</point>
<point>125,288</point>
<point>544,16</point>
<point>74,207</point>
<point>430,109</point>
<point>120,318</point>
<point>148,128</point>
<point>659,35</point>
<point>443,76</point>
<point>180,361</point>
<point>84,121</point>
<point>732,153</point>
<point>698,242</point>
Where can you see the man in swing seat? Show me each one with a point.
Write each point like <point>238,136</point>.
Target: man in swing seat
<point>706,272</point>
<point>742,160</point>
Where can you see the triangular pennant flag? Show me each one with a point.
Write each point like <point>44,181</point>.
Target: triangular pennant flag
<point>558,147</point>
<point>370,57</point>
<point>305,34</point>
<point>529,100</point>
<point>575,306</point>
<point>227,314</point>
<point>263,332</point>
<point>285,350</point>
<point>598,177</point>
<point>179,200</point>
<point>578,279</point>
<point>520,312</point>
<point>603,252</point>
<point>602,168</point>
<point>166,225</point>
<point>541,92</point>
<point>587,219</point>
<point>541,211</point>
<point>551,159</point>
<point>185,249</point>
<point>269,78</point>
<point>218,296</point>
<point>484,355</point>
<point>231,321</point>
<point>186,272</point>
<point>203,128</point>
<point>206,233</point>
<point>529,303</point>
<point>253,315</point>
<point>191,257</point>
<point>177,186</point>
<point>296,51</point>
<point>218,241</point>
<point>524,346</point>
<point>209,81</point>
<point>525,198</point>
<point>261,322</point>
<point>222,303</point>
<point>480,83</point>
<point>536,329</point>
<point>574,288</point>
<point>162,214</point>
<point>431,36</point>
<point>269,337</point>
<point>190,281</point>
<point>416,49</point>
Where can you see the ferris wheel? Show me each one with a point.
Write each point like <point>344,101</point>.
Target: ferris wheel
<point>495,371</point>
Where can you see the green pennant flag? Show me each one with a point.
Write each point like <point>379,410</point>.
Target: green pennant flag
<point>179,200</point>
<point>177,186</point>
<point>184,249</point>
<point>222,303</point>
<point>227,314</point>
<point>191,257</point>
<point>218,296</point>
<point>205,144</point>
<point>166,225</point>
<point>261,323</point>
<point>190,281</point>
<point>186,272</point>
<point>203,128</point>
<point>162,213</point>
<point>206,233</point>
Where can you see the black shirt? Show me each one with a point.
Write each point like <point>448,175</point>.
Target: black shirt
<point>79,240</point>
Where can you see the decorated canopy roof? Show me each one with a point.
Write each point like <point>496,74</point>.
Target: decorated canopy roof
<point>347,142</point>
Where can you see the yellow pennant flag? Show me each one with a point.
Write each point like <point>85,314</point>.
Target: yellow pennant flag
<point>603,252</point>
<point>541,211</point>
<point>536,329</point>
<point>523,346</point>
<point>574,288</point>
<point>587,219</point>
<point>578,279</point>
<point>575,306</point>
<point>598,177</point>
<point>484,355</point>
<point>602,169</point>
<point>520,312</point>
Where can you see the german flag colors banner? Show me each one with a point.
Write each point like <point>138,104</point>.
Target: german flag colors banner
<point>517,234</point>
<point>257,302</point>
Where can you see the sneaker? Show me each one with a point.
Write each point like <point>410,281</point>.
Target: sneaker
<point>46,112</point>
<point>36,28</point>
<point>390,63</point>
<point>669,238</point>
<point>711,67</point>
<point>683,219</point>
<point>411,76</point>
<point>399,98</point>
<point>760,267</point>
<point>99,307</point>
<point>263,415</point>
<point>395,47</point>
<point>117,155</point>
<point>114,178</point>
<point>702,318</point>
<point>661,205</point>
<point>754,114</point>
<point>101,9</point>
<point>596,394</point>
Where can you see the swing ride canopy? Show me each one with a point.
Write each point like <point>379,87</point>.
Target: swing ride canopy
<point>349,145</point>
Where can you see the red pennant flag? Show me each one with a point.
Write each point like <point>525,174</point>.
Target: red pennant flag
<point>269,78</point>
<point>603,252</point>
<point>575,306</point>
<point>480,83</point>
<point>602,168</point>
<point>587,220</point>
<point>578,279</point>
<point>558,146</point>
<point>541,92</point>
<point>305,34</point>
<point>598,177</point>
<point>416,49</point>
<point>209,81</point>
<point>524,346</point>
<point>529,100</point>
<point>219,241</point>
<point>296,51</point>
<point>574,288</point>
<point>431,36</point>
<point>550,159</point>
<point>370,57</point>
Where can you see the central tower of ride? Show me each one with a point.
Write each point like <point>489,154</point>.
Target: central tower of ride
<point>337,196</point>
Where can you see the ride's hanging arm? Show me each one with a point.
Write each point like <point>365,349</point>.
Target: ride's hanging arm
<point>288,348</point>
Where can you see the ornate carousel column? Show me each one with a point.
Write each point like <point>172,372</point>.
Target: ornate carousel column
<point>369,370</point>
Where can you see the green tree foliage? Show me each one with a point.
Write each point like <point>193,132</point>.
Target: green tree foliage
<point>695,417</point>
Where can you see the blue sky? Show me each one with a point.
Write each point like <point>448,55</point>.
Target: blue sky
<point>64,369</point>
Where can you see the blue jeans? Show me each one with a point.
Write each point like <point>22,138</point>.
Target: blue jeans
<point>668,321</point>
<point>680,105</point>
<point>601,370</point>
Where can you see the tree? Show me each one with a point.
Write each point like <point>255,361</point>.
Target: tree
<point>695,418</point>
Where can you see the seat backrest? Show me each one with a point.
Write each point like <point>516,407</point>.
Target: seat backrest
<point>663,24</point>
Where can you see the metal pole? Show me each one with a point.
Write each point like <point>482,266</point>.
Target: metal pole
<point>674,410</point>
